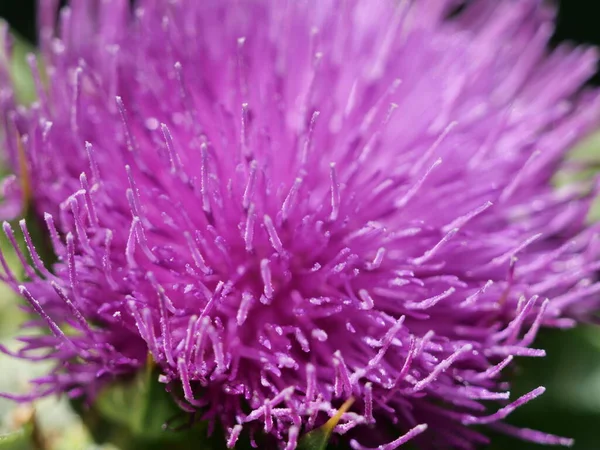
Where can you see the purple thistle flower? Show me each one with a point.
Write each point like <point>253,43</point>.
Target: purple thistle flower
<point>292,203</point>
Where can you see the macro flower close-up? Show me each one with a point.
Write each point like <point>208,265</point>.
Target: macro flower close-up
<point>307,224</point>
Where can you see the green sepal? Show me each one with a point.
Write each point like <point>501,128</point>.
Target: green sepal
<point>315,440</point>
<point>318,439</point>
<point>136,411</point>
<point>142,405</point>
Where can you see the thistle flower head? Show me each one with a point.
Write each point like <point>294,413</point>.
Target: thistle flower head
<point>293,203</point>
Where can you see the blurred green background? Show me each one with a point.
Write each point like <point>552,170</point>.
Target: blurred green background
<point>571,371</point>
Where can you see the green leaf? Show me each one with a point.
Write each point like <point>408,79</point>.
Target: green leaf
<point>571,405</point>
<point>18,440</point>
<point>587,149</point>
<point>319,439</point>
<point>22,78</point>
<point>586,158</point>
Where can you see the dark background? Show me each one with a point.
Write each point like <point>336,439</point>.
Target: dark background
<point>578,20</point>
<point>571,372</point>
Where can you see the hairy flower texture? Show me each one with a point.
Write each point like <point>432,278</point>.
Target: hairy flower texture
<point>293,203</point>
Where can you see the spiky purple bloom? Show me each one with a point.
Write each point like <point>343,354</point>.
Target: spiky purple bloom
<point>291,203</point>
